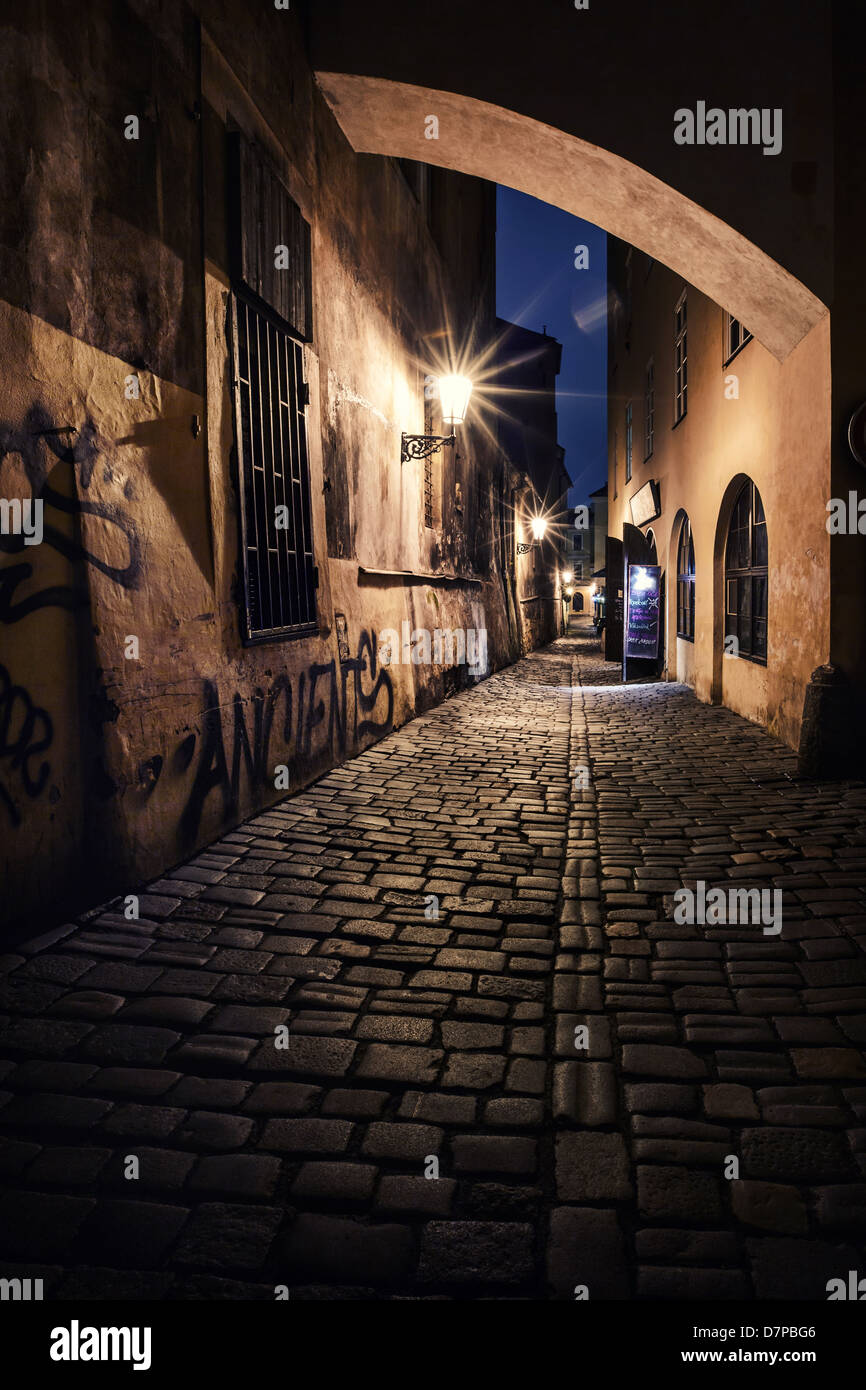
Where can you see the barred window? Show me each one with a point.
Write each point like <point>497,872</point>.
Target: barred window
<point>271,312</point>
<point>270,397</point>
<point>686,583</point>
<point>746,576</point>
<point>681,372</point>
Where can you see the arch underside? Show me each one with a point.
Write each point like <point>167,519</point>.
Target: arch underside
<point>382,117</point>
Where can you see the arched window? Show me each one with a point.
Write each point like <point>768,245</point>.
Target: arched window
<point>686,583</point>
<point>746,576</point>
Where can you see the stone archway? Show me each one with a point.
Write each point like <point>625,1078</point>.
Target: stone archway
<point>379,116</point>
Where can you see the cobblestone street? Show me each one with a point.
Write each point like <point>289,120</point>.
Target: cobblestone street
<point>473,946</point>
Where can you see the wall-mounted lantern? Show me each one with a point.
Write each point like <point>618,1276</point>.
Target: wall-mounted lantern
<point>567,576</point>
<point>538,525</point>
<point>454,393</point>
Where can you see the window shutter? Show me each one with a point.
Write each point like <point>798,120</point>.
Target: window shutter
<point>263,217</point>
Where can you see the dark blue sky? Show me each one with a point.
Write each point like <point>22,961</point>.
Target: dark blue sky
<point>537,285</point>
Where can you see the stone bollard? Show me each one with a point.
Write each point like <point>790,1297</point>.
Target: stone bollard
<point>828,748</point>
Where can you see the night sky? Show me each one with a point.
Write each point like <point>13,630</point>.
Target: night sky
<point>538,286</point>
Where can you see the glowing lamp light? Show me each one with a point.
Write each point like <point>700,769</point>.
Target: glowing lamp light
<point>567,576</point>
<point>454,393</point>
<point>538,526</point>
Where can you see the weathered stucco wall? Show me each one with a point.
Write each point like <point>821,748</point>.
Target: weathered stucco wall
<point>114,767</point>
<point>776,432</point>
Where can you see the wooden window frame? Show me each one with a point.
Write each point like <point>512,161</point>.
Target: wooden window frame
<point>729,351</point>
<point>649,410</point>
<point>629,442</point>
<point>747,579</point>
<point>681,359</point>
<point>686,582</point>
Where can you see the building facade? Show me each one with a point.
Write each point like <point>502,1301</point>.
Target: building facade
<point>525,395</point>
<point>584,556</point>
<point>598,514</point>
<point>217,323</point>
<point>720,455</point>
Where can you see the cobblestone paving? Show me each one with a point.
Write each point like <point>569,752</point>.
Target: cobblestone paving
<point>582,1068</point>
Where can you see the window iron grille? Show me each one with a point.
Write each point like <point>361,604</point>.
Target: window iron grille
<point>280,578</point>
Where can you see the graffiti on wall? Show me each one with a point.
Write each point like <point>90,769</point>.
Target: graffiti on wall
<point>46,450</point>
<point>26,731</point>
<point>319,700</point>
<point>321,713</point>
<point>58,464</point>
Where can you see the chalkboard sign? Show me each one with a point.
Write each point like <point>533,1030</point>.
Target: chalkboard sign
<point>642,624</point>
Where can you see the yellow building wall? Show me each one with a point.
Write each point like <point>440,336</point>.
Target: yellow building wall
<point>776,431</point>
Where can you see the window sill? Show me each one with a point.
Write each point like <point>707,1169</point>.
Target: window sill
<point>416,577</point>
<point>744,656</point>
<point>283,634</point>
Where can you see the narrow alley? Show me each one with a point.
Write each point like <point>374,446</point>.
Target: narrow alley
<point>430,1027</point>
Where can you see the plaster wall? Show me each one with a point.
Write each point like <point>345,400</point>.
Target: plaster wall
<point>775,429</point>
<point>119,759</point>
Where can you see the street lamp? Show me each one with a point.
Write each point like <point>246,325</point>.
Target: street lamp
<point>454,393</point>
<point>567,576</point>
<point>538,525</point>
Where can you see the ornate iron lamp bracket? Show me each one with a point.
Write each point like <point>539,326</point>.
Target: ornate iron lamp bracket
<point>421,446</point>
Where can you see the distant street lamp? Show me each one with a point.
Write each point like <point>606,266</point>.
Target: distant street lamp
<point>454,393</point>
<point>567,576</point>
<point>538,525</point>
